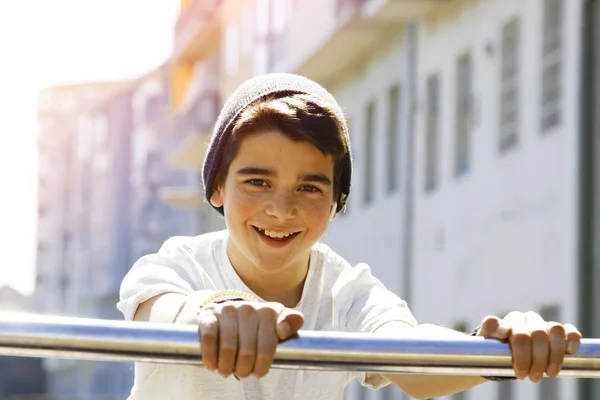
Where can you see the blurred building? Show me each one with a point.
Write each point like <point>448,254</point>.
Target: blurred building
<point>19,375</point>
<point>59,108</point>
<point>206,35</point>
<point>13,301</point>
<point>105,173</point>
<point>157,134</point>
<point>84,234</point>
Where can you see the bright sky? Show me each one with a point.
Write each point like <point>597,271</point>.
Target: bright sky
<point>45,43</point>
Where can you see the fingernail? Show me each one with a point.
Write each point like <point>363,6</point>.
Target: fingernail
<point>285,329</point>
<point>571,346</point>
<point>552,370</point>
<point>536,377</point>
<point>521,374</point>
<point>502,328</point>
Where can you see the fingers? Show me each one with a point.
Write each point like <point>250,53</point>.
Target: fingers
<point>573,338</point>
<point>540,346</point>
<point>558,348</point>
<point>248,331</point>
<point>537,346</point>
<point>228,339</point>
<point>288,323</point>
<point>208,328</point>
<point>266,345</point>
<point>494,327</point>
<point>242,337</point>
<point>520,344</point>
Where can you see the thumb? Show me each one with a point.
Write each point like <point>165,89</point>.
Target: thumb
<point>494,328</point>
<point>288,323</point>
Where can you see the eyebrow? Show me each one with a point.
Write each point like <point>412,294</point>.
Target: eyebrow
<point>317,178</point>
<point>256,171</point>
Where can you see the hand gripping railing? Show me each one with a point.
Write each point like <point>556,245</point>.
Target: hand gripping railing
<point>89,339</point>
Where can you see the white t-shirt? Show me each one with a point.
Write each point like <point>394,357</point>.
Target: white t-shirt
<point>336,297</point>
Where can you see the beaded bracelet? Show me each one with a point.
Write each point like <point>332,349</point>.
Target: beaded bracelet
<point>228,295</point>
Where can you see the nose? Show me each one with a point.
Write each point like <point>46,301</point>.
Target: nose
<point>282,207</point>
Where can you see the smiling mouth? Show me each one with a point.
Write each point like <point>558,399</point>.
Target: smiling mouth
<point>281,236</point>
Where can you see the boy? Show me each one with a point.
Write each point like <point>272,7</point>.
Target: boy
<point>279,168</point>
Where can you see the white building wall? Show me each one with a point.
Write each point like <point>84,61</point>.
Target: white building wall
<point>504,236</point>
<point>373,233</point>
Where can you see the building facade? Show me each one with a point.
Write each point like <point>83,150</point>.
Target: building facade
<point>73,125</point>
<point>497,170</point>
<point>155,137</point>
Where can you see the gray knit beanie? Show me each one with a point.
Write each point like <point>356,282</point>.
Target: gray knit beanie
<point>252,90</point>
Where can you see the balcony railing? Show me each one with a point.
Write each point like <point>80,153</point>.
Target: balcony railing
<point>344,34</point>
<point>394,11</point>
<point>89,339</point>
<point>183,197</point>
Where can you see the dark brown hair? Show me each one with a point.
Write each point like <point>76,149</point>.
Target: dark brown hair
<point>299,117</point>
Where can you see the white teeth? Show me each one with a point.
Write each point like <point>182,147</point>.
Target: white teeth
<point>275,235</point>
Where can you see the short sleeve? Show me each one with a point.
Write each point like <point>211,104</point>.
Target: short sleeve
<point>373,305</point>
<point>172,270</point>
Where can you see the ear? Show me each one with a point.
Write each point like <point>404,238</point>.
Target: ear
<point>333,213</point>
<point>216,199</point>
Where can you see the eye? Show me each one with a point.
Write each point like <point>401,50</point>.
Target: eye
<point>257,182</point>
<point>310,189</point>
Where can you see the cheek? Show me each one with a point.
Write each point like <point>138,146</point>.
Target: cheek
<point>242,203</point>
<point>316,213</point>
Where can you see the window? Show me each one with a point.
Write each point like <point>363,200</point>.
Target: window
<point>262,29</point>
<point>509,92</point>
<point>549,388</point>
<point>262,18</point>
<point>247,26</point>
<point>463,115</point>
<point>432,133</point>
<point>551,64</point>
<point>369,148</point>
<point>280,10</point>
<point>232,51</point>
<point>393,139</point>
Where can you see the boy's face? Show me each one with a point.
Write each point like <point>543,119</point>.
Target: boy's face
<point>275,187</point>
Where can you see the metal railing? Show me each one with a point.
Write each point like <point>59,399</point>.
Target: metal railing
<point>90,339</point>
